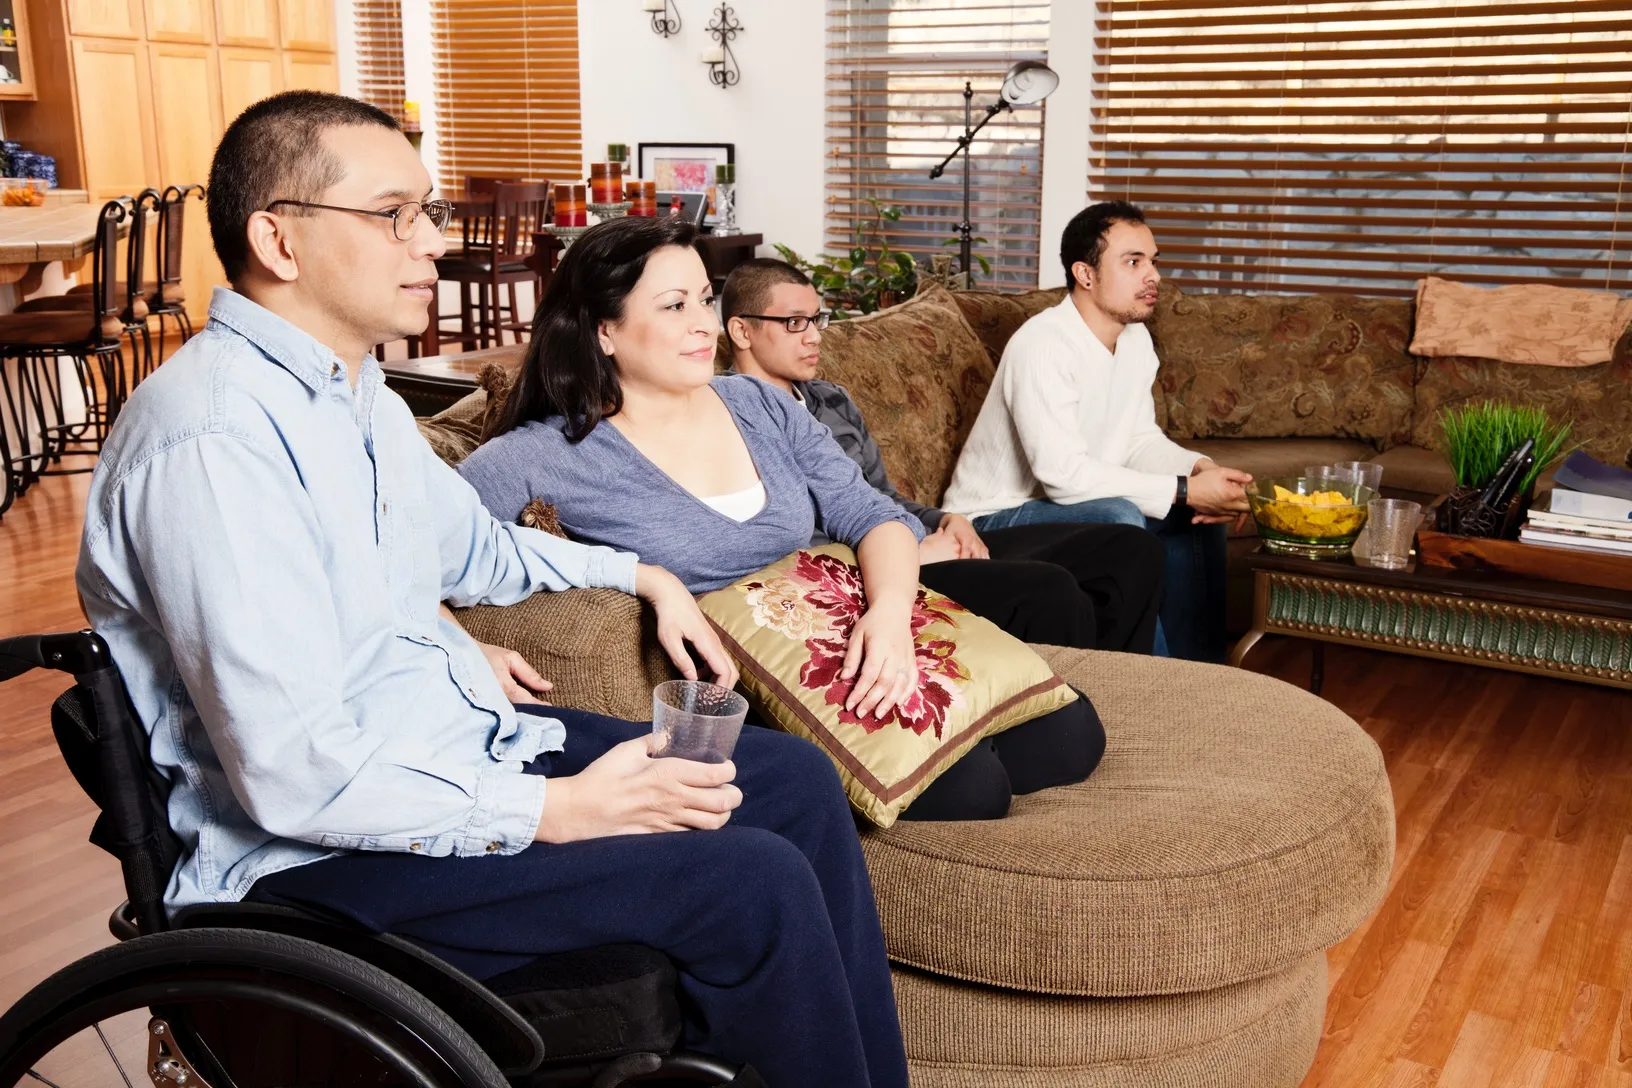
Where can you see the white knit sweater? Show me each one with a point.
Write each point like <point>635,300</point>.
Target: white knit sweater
<point>1067,420</point>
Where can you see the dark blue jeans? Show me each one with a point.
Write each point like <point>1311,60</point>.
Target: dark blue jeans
<point>1193,602</point>
<point>769,920</point>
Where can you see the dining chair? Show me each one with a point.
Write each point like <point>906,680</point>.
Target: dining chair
<point>495,257</point>
<point>169,298</point>
<point>36,395</point>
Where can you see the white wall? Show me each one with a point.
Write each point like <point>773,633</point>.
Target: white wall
<point>639,87</point>
<point>1065,129</point>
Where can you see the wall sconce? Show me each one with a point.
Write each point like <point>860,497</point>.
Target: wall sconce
<point>723,70</point>
<point>662,22</point>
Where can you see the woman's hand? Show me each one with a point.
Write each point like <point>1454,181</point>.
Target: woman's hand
<point>962,530</point>
<point>680,621</point>
<point>520,681</point>
<point>880,656</point>
<point>627,792</point>
<point>938,547</point>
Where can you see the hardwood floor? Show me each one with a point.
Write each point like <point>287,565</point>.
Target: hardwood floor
<point>1502,956</point>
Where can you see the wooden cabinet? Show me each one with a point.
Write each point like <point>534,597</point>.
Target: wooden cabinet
<point>247,23</point>
<point>180,21</point>
<point>17,58</point>
<point>187,137</point>
<point>307,24</point>
<point>247,76</point>
<point>310,72</point>
<point>106,18</point>
<point>115,116</point>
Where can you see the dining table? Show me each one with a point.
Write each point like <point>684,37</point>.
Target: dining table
<point>63,229</point>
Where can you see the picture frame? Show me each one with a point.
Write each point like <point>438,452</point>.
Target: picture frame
<point>684,167</point>
<point>693,206</point>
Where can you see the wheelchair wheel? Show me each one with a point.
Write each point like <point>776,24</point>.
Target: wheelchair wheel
<point>224,1008</point>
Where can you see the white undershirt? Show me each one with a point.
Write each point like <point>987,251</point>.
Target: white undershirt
<point>739,505</point>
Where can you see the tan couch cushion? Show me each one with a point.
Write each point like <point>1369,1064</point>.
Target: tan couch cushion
<point>1597,398</point>
<point>1284,366</point>
<point>1412,468</point>
<point>995,316</point>
<point>919,375</point>
<point>1257,1034</point>
<point>456,431</point>
<point>1236,826</point>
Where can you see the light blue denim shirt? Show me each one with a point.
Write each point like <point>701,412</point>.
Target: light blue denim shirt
<point>264,551</point>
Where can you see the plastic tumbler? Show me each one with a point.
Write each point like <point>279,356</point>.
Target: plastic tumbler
<point>694,719</point>
<point>1391,526</point>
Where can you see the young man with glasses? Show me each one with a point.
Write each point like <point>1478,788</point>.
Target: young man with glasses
<point>1086,586</point>
<point>267,541</point>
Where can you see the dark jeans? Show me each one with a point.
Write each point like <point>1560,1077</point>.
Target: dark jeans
<point>769,920</point>
<point>1088,586</point>
<point>1193,601</point>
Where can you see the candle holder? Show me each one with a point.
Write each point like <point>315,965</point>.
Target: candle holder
<point>611,211</point>
<point>724,71</point>
<point>568,235</point>
<point>664,25</point>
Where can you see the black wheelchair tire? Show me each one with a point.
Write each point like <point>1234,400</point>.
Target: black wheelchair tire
<point>349,996</point>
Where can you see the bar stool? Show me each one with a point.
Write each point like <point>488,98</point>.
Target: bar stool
<point>169,299</point>
<point>135,288</point>
<point>498,259</point>
<point>36,402</point>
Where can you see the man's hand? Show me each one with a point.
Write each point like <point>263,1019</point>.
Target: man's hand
<point>520,681</point>
<point>1218,494</point>
<point>959,528</point>
<point>627,792</point>
<point>881,658</point>
<point>680,621</point>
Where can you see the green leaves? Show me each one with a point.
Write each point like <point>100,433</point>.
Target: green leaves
<point>861,279</point>
<point>1479,437</point>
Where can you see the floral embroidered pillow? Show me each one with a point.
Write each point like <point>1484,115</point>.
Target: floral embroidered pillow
<point>788,626</point>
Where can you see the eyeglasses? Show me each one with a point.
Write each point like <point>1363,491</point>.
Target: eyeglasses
<point>403,218</point>
<point>797,322</point>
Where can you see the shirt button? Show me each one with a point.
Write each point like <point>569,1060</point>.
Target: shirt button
<point>492,846</point>
<point>471,692</point>
<point>385,508</point>
<point>414,845</point>
<point>334,368</point>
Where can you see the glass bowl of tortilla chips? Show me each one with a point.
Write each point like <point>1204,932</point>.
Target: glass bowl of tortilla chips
<point>1317,517</point>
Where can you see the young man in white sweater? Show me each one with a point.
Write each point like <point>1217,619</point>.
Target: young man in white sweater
<point>1068,431</point>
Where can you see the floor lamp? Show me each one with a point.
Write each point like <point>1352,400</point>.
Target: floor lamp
<point>1026,84</point>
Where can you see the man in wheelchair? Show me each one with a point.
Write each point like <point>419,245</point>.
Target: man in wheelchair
<point>267,543</point>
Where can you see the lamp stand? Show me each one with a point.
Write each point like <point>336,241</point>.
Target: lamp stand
<point>966,229</point>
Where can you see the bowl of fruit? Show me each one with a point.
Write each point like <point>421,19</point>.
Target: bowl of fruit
<point>22,192</point>
<point>1317,517</point>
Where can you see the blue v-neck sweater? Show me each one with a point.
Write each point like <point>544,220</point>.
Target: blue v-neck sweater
<point>607,492</point>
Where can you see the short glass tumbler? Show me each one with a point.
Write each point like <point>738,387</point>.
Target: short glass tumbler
<point>694,719</point>
<point>1392,525</point>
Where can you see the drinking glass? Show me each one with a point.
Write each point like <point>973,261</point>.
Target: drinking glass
<point>1391,525</point>
<point>697,720</point>
<point>1365,473</point>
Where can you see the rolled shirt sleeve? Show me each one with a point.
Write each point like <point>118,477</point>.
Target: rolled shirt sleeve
<point>247,609</point>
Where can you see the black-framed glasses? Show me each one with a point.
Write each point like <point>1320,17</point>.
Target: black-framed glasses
<point>403,218</point>
<point>796,323</point>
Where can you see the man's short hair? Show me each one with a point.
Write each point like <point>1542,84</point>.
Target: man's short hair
<point>275,151</point>
<point>1084,237</point>
<point>748,287</point>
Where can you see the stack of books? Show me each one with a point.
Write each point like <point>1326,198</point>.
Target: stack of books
<point>1590,508</point>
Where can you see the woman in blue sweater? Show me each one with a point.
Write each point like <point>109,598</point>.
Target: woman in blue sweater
<point>620,421</point>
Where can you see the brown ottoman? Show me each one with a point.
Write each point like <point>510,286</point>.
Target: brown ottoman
<point>1177,904</point>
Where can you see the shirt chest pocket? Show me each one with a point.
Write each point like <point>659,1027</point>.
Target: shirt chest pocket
<point>414,561</point>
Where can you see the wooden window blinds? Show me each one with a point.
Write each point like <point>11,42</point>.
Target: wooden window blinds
<point>1357,145</point>
<point>894,108</point>
<point>378,25</point>
<point>507,89</point>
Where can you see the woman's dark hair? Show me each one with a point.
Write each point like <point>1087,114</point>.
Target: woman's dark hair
<point>565,372</point>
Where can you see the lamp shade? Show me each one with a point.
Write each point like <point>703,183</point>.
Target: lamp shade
<point>1029,81</point>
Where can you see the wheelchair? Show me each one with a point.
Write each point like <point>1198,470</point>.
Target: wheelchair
<point>255,996</point>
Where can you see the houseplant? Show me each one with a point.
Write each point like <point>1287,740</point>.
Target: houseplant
<point>862,280</point>
<point>1478,439</point>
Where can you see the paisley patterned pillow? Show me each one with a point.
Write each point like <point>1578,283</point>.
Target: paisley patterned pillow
<point>787,627</point>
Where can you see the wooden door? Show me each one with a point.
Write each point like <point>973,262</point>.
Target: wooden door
<point>310,72</point>
<point>247,76</point>
<point>307,24</point>
<point>247,23</point>
<point>187,78</point>
<point>116,117</point>
<point>106,18</point>
<point>181,21</point>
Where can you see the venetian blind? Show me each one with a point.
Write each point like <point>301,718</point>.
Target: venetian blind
<point>378,26</point>
<point>507,89</point>
<point>1357,145</point>
<point>895,76</point>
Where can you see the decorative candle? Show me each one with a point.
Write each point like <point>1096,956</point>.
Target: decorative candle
<point>652,5</point>
<point>725,173</point>
<point>580,210</point>
<point>605,182</point>
<point>410,112</point>
<point>715,55</point>
<point>563,205</point>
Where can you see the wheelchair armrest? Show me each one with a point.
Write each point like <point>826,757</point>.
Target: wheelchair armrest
<point>76,652</point>
<point>508,1039</point>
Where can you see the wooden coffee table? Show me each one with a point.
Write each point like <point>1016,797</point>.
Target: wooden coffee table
<point>1554,629</point>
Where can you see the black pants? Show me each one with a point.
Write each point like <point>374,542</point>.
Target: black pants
<point>770,920</point>
<point>1095,587</point>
